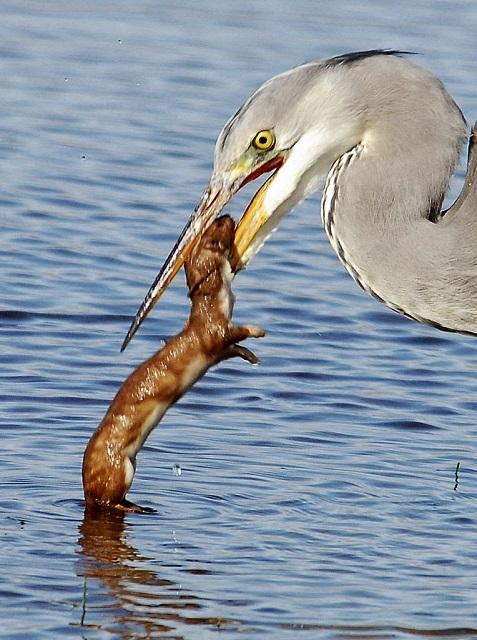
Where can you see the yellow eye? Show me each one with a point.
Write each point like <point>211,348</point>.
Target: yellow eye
<point>264,140</point>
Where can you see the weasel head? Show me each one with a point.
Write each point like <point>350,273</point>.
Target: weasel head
<point>212,254</point>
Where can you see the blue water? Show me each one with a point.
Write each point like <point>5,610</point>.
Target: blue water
<point>318,497</point>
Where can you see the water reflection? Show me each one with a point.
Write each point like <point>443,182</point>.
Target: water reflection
<point>122,595</point>
<point>356,632</point>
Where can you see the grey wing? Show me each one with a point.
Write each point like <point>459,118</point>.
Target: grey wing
<point>468,196</point>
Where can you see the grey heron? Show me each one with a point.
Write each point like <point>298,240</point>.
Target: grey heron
<point>387,136</point>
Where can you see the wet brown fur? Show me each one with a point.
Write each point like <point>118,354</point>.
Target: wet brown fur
<point>207,338</point>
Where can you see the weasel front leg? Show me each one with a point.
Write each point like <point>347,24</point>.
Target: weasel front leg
<point>237,351</point>
<point>237,334</point>
<point>241,332</point>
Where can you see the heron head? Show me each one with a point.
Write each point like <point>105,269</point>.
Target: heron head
<point>294,127</point>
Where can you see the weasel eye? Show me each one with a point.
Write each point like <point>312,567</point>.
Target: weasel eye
<point>213,245</point>
<point>264,140</point>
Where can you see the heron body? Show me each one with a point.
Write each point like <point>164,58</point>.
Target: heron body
<point>387,136</point>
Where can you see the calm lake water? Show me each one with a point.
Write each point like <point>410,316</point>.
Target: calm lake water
<point>318,497</point>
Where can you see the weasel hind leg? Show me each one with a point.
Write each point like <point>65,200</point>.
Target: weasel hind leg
<point>126,505</point>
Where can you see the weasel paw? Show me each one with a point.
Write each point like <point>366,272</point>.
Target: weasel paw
<point>254,331</point>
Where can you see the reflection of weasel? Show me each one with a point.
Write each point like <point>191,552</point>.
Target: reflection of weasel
<point>208,338</point>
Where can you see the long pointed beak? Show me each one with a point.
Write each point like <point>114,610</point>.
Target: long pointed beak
<point>252,232</point>
<point>253,228</point>
<point>213,201</point>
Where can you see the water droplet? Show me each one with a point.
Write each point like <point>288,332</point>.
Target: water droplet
<point>177,469</point>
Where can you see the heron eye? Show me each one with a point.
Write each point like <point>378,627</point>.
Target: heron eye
<point>264,140</point>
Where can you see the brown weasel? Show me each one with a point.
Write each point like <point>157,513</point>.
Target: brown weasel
<point>208,337</point>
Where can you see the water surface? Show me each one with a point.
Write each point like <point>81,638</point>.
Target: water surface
<point>318,496</point>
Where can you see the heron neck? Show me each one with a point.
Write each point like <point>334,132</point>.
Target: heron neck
<point>384,231</point>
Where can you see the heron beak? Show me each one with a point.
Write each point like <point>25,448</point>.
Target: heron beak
<point>251,231</point>
<point>212,202</point>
